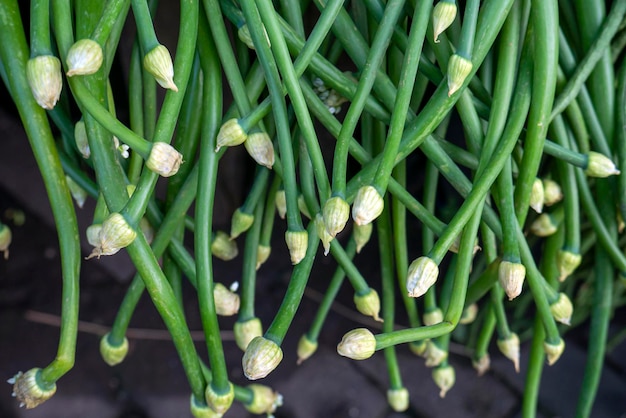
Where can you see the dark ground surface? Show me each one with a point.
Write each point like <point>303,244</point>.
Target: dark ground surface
<point>151,383</point>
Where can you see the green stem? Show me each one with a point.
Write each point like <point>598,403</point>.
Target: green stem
<point>40,28</point>
<point>248,274</point>
<point>14,55</point>
<point>533,373</point>
<point>145,28</point>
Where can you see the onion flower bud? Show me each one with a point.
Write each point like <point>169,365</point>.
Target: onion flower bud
<point>230,134</point>
<point>262,356</point>
<point>358,344</point>
<point>398,399</point>
<point>336,214</point>
<point>280,200</point>
<point>29,390</point>
<point>78,193</point>
<point>362,235</point>
<point>322,232</point>
<point>80,137</point>
<point>419,347</point>
<point>469,314</point>
<point>567,262</point>
<point>537,196</point>
<point>304,209</point>
<point>264,400</point>
<point>306,348</point>
<point>482,364</point>
<point>114,235</point>
<point>243,33</point>
<point>260,147</point>
<point>84,57</point>
<point>444,14</point>
<point>444,378</point>
<point>543,226</point>
<point>600,166</point>
<point>164,159</point>
<point>45,80</point>
<point>219,402</point>
<point>297,242</point>
<point>422,274</point>
<point>458,70</point>
<point>434,355</point>
<point>223,247</point>
<point>262,254</point>
<point>562,309</point>
<point>5,240</point>
<point>510,348</point>
<point>240,223</point>
<point>113,354</point>
<point>246,331</point>
<point>511,277</point>
<point>432,317</point>
<point>93,234</point>
<point>368,205</point>
<point>552,192</point>
<point>226,302</point>
<point>199,409</point>
<point>158,62</point>
<point>368,304</point>
<point>553,351</point>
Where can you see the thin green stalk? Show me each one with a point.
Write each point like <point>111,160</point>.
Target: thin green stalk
<point>248,274</point>
<point>145,28</point>
<point>468,30</point>
<point>40,28</point>
<point>14,55</point>
<point>534,370</point>
<point>544,20</point>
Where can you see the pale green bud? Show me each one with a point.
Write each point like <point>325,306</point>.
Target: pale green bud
<point>358,344</point>
<point>223,247</point>
<point>553,352</point>
<point>146,229</point>
<point>567,262</point>
<point>240,223</point>
<point>444,377</point>
<point>264,400</point>
<point>280,200</point>
<point>432,317</point>
<point>5,240</point>
<point>80,137</point>
<point>84,57</point>
<point>219,402</point>
<point>30,390</point>
<point>434,355</point>
<point>322,232</point>
<point>45,80</point>
<point>422,274</point>
<point>398,399</point>
<point>510,348</point>
<point>482,364</point>
<point>262,254</point>
<point>230,134</point>
<point>537,196</point>
<point>297,243</point>
<point>544,225</point>
<point>444,14</point>
<point>552,192</point>
<point>246,331</point>
<point>226,302</point>
<point>243,33</point>
<point>368,205</point>
<point>469,314</point>
<point>600,166</point>
<point>113,354</point>
<point>306,348</point>
<point>511,277</point>
<point>368,304</point>
<point>158,62</point>
<point>164,159</point>
<point>562,309</point>
<point>115,234</point>
<point>336,214</point>
<point>260,147</point>
<point>419,347</point>
<point>93,234</point>
<point>78,193</point>
<point>458,70</point>
<point>362,235</point>
<point>304,209</point>
<point>262,356</point>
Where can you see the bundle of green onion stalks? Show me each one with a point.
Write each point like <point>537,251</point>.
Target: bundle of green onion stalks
<point>478,144</point>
